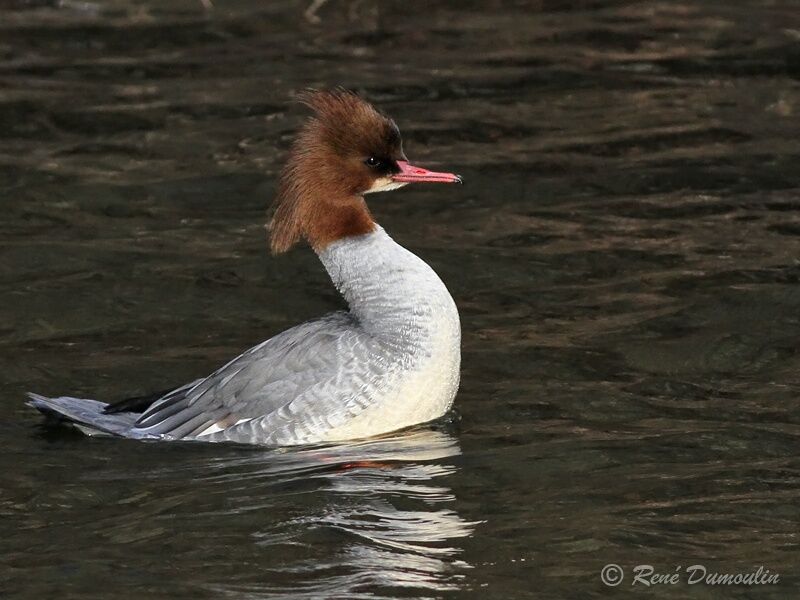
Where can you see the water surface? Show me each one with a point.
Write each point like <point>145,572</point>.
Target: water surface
<point>624,255</point>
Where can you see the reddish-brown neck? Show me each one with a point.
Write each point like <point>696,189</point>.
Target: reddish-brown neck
<point>338,219</point>
<point>320,214</point>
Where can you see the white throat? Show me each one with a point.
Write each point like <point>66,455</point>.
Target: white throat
<point>385,184</point>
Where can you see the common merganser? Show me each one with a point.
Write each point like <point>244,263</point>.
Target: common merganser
<point>391,361</point>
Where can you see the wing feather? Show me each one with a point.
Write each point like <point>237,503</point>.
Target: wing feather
<point>297,383</point>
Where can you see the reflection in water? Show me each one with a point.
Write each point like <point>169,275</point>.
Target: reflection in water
<point>339,521</point>
<point>382,504</point>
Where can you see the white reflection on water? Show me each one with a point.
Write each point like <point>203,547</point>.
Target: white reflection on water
<point>383,520</point>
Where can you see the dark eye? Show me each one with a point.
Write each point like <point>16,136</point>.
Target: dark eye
<point>373,162</point>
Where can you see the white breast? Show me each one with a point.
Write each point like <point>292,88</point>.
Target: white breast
<point>400,301</point>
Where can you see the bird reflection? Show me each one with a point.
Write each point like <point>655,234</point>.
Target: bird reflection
<point>383,519</point>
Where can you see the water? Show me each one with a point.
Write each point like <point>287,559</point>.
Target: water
<point>624,255</point>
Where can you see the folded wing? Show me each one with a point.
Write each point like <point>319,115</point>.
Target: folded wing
<point>294,386</point>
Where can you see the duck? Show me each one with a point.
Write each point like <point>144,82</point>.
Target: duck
<point>389,362</point>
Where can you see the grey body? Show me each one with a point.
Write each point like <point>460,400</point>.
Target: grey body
<point>392,361</point>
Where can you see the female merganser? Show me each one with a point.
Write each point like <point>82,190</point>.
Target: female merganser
<point>391,361</point>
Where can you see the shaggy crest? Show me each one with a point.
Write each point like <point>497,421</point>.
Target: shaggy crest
<point>321,186</point>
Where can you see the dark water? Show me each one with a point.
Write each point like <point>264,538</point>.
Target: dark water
<point>625,255</point>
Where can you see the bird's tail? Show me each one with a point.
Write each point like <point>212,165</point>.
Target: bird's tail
<point>86,415</point>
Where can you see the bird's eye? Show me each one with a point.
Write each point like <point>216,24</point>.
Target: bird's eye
<point>373,162</point>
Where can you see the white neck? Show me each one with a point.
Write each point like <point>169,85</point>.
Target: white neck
<point>388,289</point>
<point>402,307</point>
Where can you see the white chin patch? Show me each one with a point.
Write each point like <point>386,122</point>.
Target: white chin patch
<point>384,184</point>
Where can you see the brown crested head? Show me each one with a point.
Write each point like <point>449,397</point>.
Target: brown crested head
<point>345,150</point>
